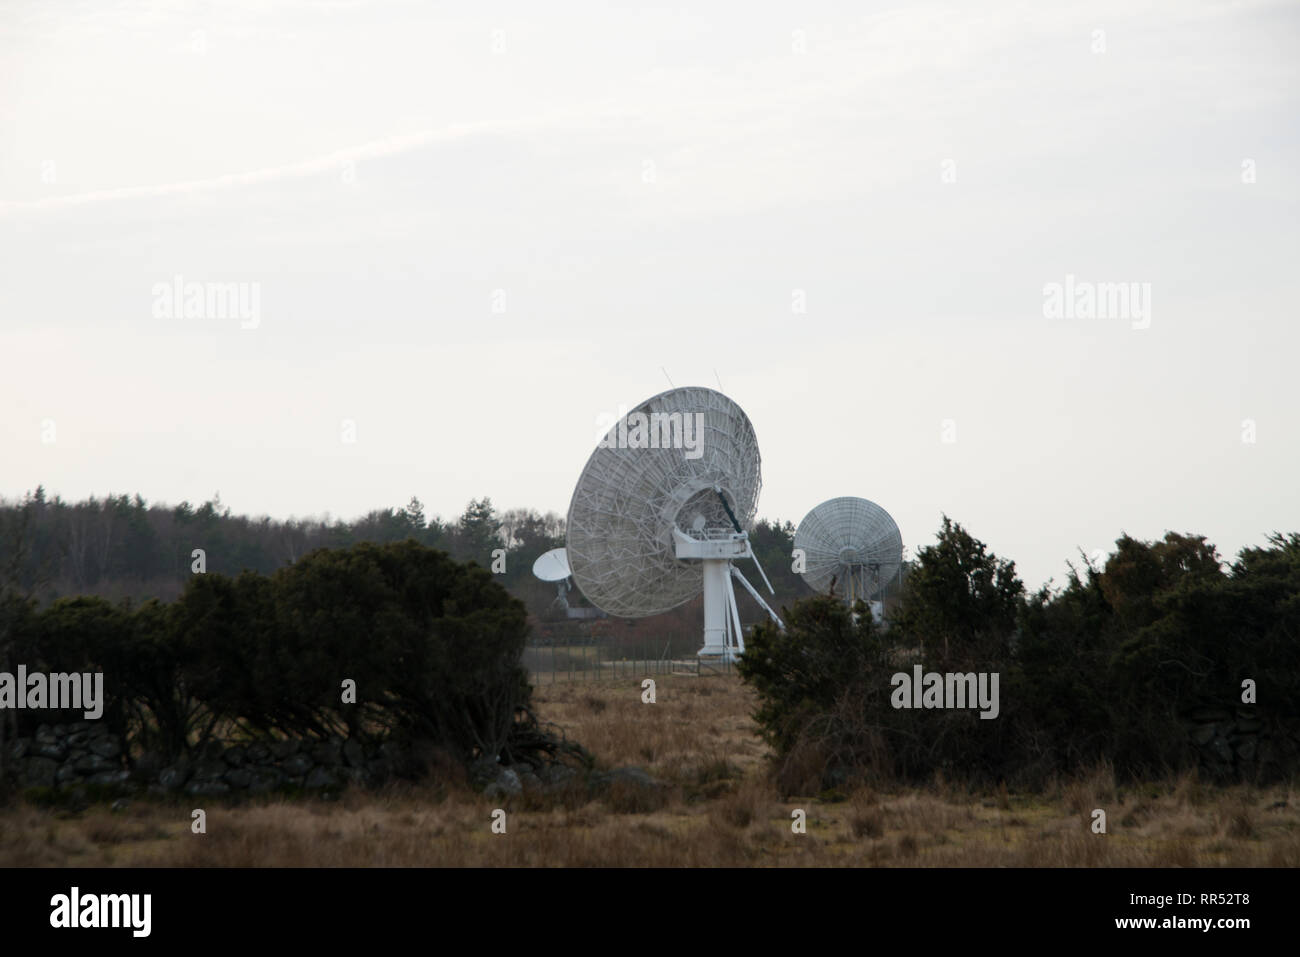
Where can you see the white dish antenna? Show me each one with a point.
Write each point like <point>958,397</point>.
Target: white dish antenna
<point>660,511</point>
<point>552,566</point>
<point>853,543</point>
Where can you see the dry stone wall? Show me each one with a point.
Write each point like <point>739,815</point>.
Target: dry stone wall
<point>87,753</point>
<point>1236,744</point>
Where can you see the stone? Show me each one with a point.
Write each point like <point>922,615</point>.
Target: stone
<point>38,772</point>
<point>236,756</point>
<point>171,779</point>
<point>319,779</point>
<point>557,776</point>
<point>77,739</point>
<point>207,788</point>
<point>266,779</point>
<point>506,784</point>
<point>298,765</point>
<point>51,749</point>
<point>631,790</point>
<point>118,776</point>
<point>92,763</point>
<point>18,748</point>
<point>483,770</point>
<point>259,753</point>
<point>354,754</point>
<point>209,770</point>
<point>284,749</point>
<point>106,747</point>
<point>65,774</point>
<point>329,753</point>
<point>239,777</point>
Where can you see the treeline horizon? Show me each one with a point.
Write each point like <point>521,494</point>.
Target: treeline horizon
<point>122,547</point>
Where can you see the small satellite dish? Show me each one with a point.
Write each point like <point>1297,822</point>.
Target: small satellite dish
<point>552,566</point>
<point>660,510</point>
<point>853,543</point>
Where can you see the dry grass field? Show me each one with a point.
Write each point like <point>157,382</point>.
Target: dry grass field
<point>718,810</point>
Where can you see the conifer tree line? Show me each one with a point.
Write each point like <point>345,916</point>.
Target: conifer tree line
<point>121,546</point>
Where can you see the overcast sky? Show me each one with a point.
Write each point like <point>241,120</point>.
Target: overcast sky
<point>470,231</point>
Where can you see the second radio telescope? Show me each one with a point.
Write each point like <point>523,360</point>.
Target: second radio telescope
<point>854,543</point>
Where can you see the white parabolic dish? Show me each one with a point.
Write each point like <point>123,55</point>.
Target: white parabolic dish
<point>847,538</point>
<point>552,566</point>
<point>619,533</point>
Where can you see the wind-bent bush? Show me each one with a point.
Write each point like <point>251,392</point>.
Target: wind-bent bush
<point>431,646</point>
<point>826,704</point>
<point>76,636</point>
<point>819,683</point>
<point>1114,666</point>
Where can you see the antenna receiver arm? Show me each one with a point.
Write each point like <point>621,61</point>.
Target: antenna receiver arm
<point>753,591</point>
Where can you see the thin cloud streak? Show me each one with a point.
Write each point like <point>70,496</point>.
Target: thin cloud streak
<point>330,162</point>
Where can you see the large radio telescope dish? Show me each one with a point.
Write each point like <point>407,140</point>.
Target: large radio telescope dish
<point>619,534</point>
<point>852,541</point>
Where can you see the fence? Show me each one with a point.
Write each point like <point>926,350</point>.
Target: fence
<point>596,661</point>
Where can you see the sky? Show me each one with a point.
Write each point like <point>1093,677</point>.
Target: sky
<point>460,234</point>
